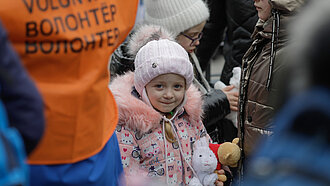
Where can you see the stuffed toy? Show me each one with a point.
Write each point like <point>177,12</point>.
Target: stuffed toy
<point>227,153</point>
<point>204,163</point>
<point>208,158</point>
<point>232,116</point>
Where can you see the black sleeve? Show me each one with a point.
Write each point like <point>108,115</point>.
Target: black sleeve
<point>20,96</point>
<point>216,107</point>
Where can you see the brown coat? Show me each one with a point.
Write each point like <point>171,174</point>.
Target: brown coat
<point>257,103</point>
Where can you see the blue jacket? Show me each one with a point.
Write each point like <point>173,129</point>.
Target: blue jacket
<point>20,96</point>
<point>299,151</point>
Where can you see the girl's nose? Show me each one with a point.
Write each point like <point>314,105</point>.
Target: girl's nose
<point>169,94</point>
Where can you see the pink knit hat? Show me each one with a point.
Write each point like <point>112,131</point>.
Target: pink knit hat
<point>161,57</point>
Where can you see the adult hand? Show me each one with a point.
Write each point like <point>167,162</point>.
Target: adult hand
<point>232,97</point>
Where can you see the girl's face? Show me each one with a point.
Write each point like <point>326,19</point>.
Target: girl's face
<point>192,33</point>
<point>166,92</point>
<point>264,9</point>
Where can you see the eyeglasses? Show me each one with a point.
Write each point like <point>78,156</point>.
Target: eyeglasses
<point>193,40</point>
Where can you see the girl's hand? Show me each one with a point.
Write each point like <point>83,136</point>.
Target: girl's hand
<point>219,182</point>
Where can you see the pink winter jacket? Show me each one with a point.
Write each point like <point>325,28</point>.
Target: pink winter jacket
<point>141,139</point>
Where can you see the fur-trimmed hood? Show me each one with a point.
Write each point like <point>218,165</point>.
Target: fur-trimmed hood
<point>137,115</point>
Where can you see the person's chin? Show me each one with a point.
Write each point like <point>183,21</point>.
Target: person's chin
<point>167,109</point>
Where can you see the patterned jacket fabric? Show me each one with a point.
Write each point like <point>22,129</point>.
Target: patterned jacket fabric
<point>141,138</point>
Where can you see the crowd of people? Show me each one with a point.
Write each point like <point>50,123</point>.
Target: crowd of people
<point>102,97</point>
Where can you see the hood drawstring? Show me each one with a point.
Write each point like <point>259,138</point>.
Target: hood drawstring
<point>164,137</point>
<point>274,42</point>
<point>165,119</point>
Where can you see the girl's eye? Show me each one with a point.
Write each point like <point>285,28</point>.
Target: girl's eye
<point>159,86</point>
<point>178,86</point>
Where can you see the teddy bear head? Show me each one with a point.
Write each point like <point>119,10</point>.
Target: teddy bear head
<point>229,153</point>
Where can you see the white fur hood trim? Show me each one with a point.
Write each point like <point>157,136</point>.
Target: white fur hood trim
<point>137,115</point>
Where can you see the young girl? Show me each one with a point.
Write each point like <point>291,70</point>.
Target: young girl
<point>186,19</point>
<point>159,114</point>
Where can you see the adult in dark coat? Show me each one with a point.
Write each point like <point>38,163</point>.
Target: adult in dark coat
<point>262,70</point>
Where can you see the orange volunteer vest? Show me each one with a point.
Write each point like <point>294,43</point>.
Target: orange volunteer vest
<point>65,46</point>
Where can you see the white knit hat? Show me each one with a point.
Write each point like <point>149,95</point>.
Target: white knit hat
<point>161,57</point>
<point>176,15</point>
